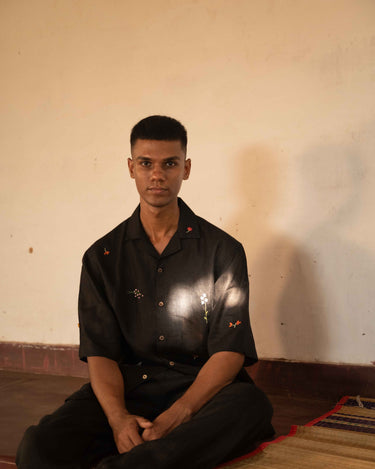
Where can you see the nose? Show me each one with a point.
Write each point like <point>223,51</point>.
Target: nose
<point>157,173</point>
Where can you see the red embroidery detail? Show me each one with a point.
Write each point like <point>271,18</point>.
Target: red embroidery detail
<point>189,229</point>
<point>106,252</point>
<point>237,323</point>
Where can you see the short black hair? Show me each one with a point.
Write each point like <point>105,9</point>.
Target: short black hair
<point>159,128</point>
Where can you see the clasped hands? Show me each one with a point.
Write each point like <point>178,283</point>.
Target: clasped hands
<point>132,430</point>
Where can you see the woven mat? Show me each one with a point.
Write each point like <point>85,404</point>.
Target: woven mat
<point>351,413</point>
<point>343,438</point>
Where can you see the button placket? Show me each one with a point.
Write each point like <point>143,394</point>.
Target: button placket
<point>161,305</point>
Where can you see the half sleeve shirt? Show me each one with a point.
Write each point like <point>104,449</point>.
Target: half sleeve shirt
<point>174,309</point>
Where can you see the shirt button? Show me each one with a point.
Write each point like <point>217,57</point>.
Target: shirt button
<point>171,363</point>
<point>161,337</point>
<point>161,303</point>
<point>160,270</point>
<point>144,376</point>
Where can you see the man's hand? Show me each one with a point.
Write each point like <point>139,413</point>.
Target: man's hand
<point>127,431</point>
<point>167,421</point>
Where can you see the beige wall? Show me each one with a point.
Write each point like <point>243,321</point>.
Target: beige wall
<point>278,98</point>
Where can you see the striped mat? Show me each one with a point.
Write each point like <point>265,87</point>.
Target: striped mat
<point>351,413</point>
<point>344,438</point>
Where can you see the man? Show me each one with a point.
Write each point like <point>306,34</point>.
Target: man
<point>165,330</point>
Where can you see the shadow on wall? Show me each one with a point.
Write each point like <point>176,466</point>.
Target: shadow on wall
<point>311,285</point>
<point>286,301</point>
<point>329,208</point>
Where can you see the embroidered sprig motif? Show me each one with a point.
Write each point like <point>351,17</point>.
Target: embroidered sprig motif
<point>137,293</point>
<point>106,252</point>
<point>235,324</point>
<point>189,229</point>
<point>204,301</point>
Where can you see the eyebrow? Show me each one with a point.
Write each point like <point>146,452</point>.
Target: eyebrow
<point>147,158</point>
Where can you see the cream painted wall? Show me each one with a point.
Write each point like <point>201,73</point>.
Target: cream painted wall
<point>278,97</point>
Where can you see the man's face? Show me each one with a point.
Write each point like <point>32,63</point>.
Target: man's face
<point>158,167</point>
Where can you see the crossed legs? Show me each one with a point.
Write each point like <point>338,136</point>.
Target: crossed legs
<point>77,435</point>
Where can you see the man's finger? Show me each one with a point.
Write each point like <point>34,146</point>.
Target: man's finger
<point>135,439</point>
<point>144,423</point>
<point>127,444</point>
<point>151,434</point>
<point>124,446</point>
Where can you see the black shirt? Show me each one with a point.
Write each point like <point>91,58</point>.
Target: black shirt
<point>174,309</point>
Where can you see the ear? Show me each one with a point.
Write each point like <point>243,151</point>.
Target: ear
<point>131,167</point>
<point>187,168</point>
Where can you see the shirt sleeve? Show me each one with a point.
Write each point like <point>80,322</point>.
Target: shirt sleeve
<point>100,334</point>
<point>229,322</point>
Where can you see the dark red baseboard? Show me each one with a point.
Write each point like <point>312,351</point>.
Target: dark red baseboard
<point>43,359</point>
<point>313,380</point>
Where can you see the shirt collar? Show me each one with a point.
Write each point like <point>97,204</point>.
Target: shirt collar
<point>187,224</point>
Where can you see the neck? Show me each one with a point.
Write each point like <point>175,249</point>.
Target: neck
<point>160,223</point>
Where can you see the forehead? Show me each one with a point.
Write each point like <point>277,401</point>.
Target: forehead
<point>157,149</point>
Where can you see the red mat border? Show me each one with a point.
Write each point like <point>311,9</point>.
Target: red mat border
<point>338,406</point>
<point>7,462</point>
<point>261,447</point>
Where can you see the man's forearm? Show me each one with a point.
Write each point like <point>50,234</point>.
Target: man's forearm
<point>108,385</point>
<point>219,371</point>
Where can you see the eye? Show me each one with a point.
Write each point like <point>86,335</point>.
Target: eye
<point>170,164</point>
<point>145,163</point>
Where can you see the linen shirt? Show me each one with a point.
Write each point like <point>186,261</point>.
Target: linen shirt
<point>151,311</point>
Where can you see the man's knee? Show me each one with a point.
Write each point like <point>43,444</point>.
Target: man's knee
<point>29,450</point>
<point>255,397</point>
<point>247,402</point>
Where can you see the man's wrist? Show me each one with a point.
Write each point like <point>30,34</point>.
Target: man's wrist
<point>183,409</point>
<point>117,416</point>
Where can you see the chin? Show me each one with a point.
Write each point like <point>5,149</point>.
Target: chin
<point>160,204</point>
<point>158,201</point>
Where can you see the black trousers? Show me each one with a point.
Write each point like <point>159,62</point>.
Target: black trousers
<point>78,436</point>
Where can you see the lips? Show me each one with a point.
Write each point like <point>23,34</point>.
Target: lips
<point>157,190</point>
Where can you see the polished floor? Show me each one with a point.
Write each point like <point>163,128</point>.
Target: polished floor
<point>25,397</point>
